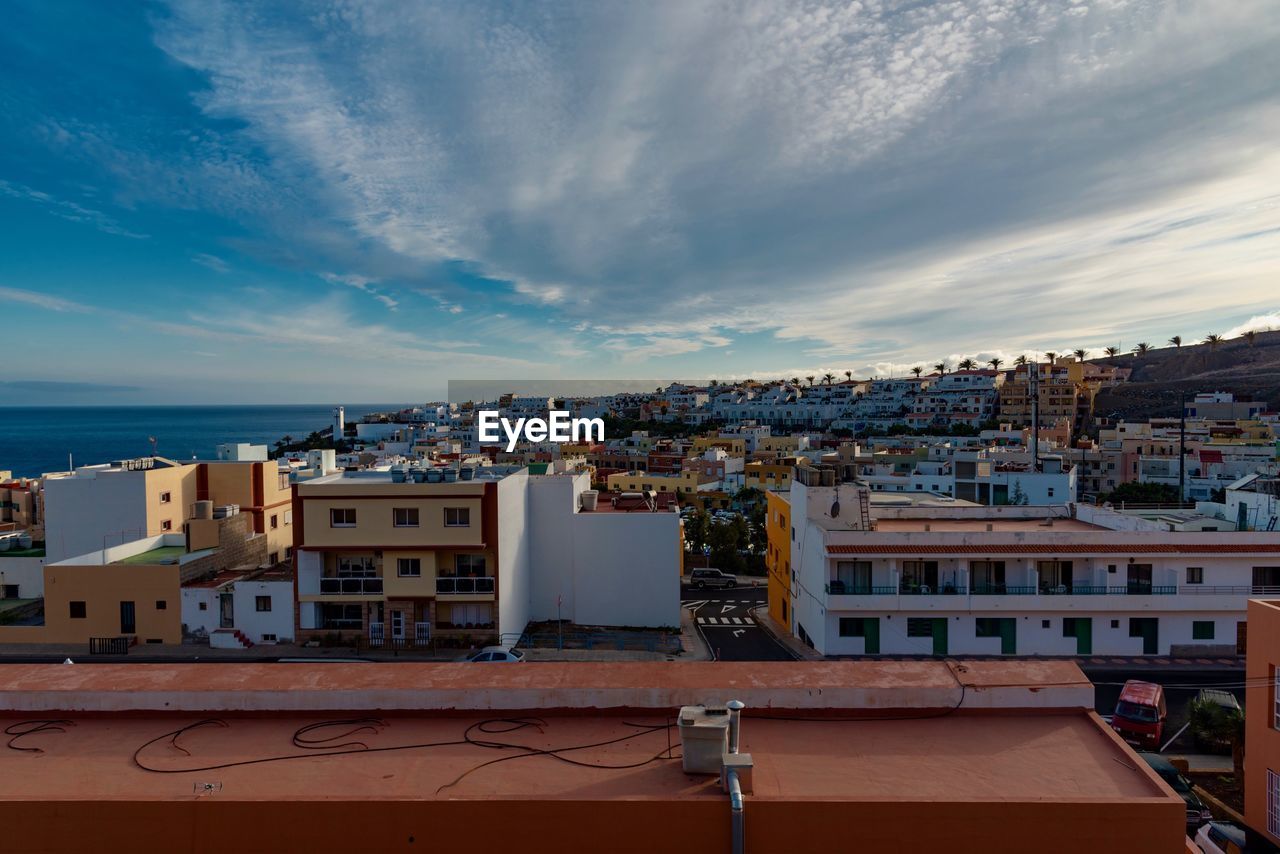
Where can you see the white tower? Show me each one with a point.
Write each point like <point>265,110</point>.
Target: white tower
<point>339,423</point>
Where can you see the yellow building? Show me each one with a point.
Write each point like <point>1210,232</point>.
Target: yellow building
<point>736,447</point>
<point>261,489</point>
<point>770,475</point>
<point>778,557</point>
<point>682,483</point>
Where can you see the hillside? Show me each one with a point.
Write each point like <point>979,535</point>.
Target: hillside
<point>1161,377</point>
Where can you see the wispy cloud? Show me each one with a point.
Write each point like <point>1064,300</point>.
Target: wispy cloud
<point>39,300</point>
<point>213,262</point>
<point>68,210</point>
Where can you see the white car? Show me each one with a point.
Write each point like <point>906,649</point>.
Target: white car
<point>1220,837</point>
<point>497,653</point>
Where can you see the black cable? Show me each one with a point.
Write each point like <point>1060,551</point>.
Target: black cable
<point>21,729</point>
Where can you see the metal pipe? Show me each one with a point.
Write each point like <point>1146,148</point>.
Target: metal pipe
<point>735,708</point>
<point>737,814</point>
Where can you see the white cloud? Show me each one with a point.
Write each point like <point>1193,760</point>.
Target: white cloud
<point>39,300</point>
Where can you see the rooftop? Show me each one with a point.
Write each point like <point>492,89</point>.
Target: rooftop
<point>992,524</point>
<point>163,554</point>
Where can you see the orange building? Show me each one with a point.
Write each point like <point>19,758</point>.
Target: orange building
<point>1262,721</point>
<point>955,756</point>
<point>777,558</point>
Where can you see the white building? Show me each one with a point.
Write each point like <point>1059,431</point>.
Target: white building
<point>1015,581</point>
<point>242,452</point>
<point>235,607</point>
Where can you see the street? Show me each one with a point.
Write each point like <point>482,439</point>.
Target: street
<point>1108,682</point>
<point>724,618</point>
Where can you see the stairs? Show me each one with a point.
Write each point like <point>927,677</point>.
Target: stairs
<point>229,639</point>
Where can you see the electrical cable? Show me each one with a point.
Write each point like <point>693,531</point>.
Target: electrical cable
<point>21,729</point>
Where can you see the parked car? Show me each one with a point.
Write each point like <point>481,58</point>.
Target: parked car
<point>701,578</point>
<point>497,653</point>
<point>1197,812</point>
<point>1221,837</point>
<point>1140,713</point>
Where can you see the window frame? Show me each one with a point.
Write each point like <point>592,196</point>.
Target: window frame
<point>258,602</point>
<point>347,512</point>
<point>1195,575</point>
<point>1198,628</point>
<point>412,516</point>
<point>462,517</point>
<point>401,562</point>
<point>83,609</point>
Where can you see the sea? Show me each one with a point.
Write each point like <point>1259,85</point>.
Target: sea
<point>37,439</point>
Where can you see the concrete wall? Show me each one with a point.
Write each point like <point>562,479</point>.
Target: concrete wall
<point>514,556</point>
<point>254,623</point>
<point>626,570</point>
<point>26,572</point>
<point>102,589</point>
<point>1262,735</point>
<point>83,514</point>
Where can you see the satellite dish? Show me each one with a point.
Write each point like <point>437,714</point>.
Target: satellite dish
<point>835,509</point>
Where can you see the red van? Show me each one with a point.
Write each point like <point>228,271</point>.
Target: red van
<point>1140,714</point>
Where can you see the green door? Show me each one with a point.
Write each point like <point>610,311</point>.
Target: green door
<point>1008,636</point>
<point>940,636</point>
<point>1150,636</point>
<point>871,635</point>
<point>1084,635</point>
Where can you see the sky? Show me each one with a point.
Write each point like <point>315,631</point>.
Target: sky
<point>224,202</point>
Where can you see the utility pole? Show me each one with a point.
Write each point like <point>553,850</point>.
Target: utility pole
<point>1033,386</point>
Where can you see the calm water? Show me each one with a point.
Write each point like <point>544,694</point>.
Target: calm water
<point>34,440</point>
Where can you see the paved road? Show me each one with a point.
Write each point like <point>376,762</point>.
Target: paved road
<point>1108,682</point>
<point>724,618</point>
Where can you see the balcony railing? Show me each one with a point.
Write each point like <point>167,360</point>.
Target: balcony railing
<point>931,590</point>
<point>1230,589</point>
<point>351,586</point>
<point>1002,590</point>
<point>459,585</point>
<point>420,637</point>
<point>840,589</point>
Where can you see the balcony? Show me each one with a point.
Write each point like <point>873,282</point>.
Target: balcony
<point>351,586</point>
<point>1002,590</point>
<point>421,637</point>
<point>839,588</point>
<point>446,586</point>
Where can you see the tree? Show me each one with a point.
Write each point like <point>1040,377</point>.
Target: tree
<point>1018,498</point>
<point>995,362</point>
<point>1143,493</point>
<point>795,381</point>
<point>1176,340</point>
<point>828,378</point>
<point>1081,354</point>
<point>1112,351</point>
<point>810,378</point>
<point>1213,340</point>
<point>1050,356</point>
<point>1142,348</point>
<point>1022,360</point>
<point>695,531</point>
<point>917,370</point>
<point>1251,336</point>
<point>942,368</point>
<point>967,364</point>
<point>848,375</point>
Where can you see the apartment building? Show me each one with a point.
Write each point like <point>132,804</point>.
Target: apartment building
<point>258,489</point>
<point>1223,406</point>
<point>969,398</point>
<point>1014,580</point>
<point>21,505</point>
<point>1060,396</point>
<point>403,562</point>
<point>777,559</point>
<point>680,483</point>
<point>773,475</point>
<point>1262,724</point>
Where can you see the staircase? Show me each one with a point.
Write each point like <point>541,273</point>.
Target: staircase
<point>229,639</point>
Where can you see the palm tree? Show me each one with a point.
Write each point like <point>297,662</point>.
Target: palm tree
<point>1176,340</point>
<point>1080,354</point>
<point>917,370</point>
<point>1022,360</point>
<point>1213,340</point>
<point>967,364</point>
<point>828,378</point>
<point>995,362</point>
<point>1050,356</point>
<point>942,368</point>
<point>1112,351</point>
<point>1142,348</point>
<point>795,381</point>
<point>1250,336</point>
<point>848,375</point>
<point>810,378</point>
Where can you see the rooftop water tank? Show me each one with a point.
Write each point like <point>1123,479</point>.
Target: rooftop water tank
<point>589,499</point>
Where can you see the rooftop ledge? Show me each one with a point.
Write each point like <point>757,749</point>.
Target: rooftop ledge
<point>847,687</point>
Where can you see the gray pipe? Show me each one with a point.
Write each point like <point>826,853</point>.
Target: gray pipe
<point>735,708</point>
<point>737,814</point>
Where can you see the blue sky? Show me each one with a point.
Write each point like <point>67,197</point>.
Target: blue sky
<point>221,202</point>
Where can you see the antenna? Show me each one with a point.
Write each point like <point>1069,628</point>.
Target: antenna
<point>1033,384</point>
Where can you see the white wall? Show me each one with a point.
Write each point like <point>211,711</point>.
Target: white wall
<point>80,511</point>
<point>513,555</point>
<point>627,569</point>
<point>254,623</point>
<point>26,572</point>
<point>193,618</point>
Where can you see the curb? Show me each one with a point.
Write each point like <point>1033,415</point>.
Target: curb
<point>798,651</point>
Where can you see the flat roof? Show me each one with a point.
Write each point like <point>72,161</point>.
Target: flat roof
<point>995,523</point>
<point>949,758</point>
<point>161,555</point>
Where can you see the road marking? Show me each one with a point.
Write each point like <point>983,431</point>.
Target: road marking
<point>739,632</point>
<point>695,604</point>
<point>724,609</point>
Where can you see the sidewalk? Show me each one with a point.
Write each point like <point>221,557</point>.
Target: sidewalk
<point>790,642</point>
<point>695,647</point>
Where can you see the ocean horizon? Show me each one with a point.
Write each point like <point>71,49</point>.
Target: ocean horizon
<point>35,440</point>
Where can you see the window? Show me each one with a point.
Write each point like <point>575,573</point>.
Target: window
<point>268,638</point>
<point>204,606</point>
<point>407,517</point>
<point>853,627</point>
<point>262,603</point>
<point>1050,490</point>
<point>274,557</point>
<point>469,564</point>
<point>1202,630</point>
<point>166,497</point>
<point>77,610</point>
<point>288,552</point>
<point>919,627</point>
<point>1044,624</point>
<point>1115,624</point>
<point>342,517</point>
<point>1195,575</point>
<point>275,521</point>
<point>457,517</point>
<point>288,517</point>
<point>166,525</point>
<point>986,627</point>
<point>409,567</point>
<point>161,605</point>
<point>1273,803</point>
